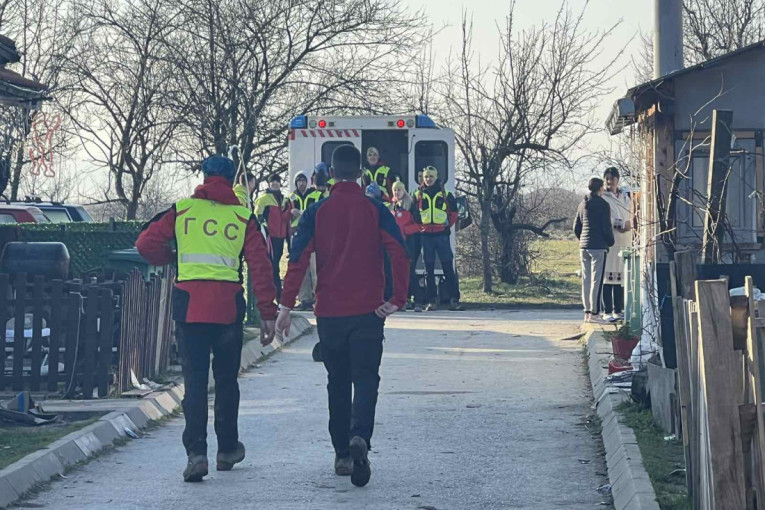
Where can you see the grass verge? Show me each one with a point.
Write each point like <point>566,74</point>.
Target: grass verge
<point>663,460</point>
<point>18,442</point>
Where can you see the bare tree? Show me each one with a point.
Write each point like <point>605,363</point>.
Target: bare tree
<point>119,90</point>
<point>245,67</point>
<point>525,112</point>
<point>716,27</point>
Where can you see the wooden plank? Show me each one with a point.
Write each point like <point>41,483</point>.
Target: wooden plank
<point>57,303</point>
<point>694,411</point>
<point>685,266</point>
<point>755,387</point>
<point>37,317</point>
<point>5,289</point>
<point>73,307</point>
<point>89,344</point>
<point>106,335</point>
<point>19,342</point>
<point>719,166</point>
<point>661,386</point>
<point>683,382</point>
<point>717,362</point>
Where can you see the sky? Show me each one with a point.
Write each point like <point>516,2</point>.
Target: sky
<point>632,17</point>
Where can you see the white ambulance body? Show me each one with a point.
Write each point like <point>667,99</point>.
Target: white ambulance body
<point>406,143</point>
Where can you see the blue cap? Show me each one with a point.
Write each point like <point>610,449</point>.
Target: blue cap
<point>321,167</point>
<point>221,166</point>
<point>374,190</point>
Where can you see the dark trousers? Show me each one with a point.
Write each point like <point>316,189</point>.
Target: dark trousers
<point>613,298</point>
<point>438,245</point>
<point>414,250</point>
<point>351,348</point>
<point>277,252</point>
<point>196,341</point>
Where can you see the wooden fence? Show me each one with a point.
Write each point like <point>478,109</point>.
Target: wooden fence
<point>146,325</point>
<point>60,337</point>
<point>720,389</point>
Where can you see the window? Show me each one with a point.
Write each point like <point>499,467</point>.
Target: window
<point>57,216</point>
<point>432,153</point>
<point>6,218</point>
<point>328,148</point>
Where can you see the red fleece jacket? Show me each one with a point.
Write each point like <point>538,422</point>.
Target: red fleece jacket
<point>213,301</point>
<point>348,233</point>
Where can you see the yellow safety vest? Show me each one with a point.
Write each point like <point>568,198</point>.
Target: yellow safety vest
<point>433,210</point>
<point>303,203</point>
<point>380,176</point>
<point>210,238</point>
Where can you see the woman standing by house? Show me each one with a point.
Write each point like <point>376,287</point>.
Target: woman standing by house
<point>621,219</point>
<point>596,235</point>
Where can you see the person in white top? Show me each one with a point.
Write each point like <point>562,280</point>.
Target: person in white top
<point>620,203</point>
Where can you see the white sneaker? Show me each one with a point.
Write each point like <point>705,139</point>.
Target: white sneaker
<point>597,319</point>
<point>609,317</point>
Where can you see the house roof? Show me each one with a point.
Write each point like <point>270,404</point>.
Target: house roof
<point>643,96</point>
<point>14,88</point>
<point>707,64</point>
<point>8,51</point>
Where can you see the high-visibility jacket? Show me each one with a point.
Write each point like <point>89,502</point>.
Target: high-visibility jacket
<point>310,197</point>
<point>210,238</point>
<point>275,215</point>
<point>379,176</point>
<point>437,208</point>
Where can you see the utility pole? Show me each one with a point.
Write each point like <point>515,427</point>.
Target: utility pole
<point>717,188</point>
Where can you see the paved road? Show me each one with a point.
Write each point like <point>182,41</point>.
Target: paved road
<point>478,410</point>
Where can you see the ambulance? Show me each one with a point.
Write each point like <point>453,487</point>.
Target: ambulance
<point>406,143</point>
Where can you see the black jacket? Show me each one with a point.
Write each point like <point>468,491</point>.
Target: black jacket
<point>593,224</point>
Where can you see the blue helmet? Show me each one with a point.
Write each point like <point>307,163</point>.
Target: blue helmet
<point>217,165</point>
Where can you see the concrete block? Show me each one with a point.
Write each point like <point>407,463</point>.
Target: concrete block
<point>150,409</point>
<point>7,493</point>
<point>643,501</point>
<point>138,416</point>
<point>88,442</point>
<point>67,451</point>
<point>165,403</point>
<point>105,432</point>
<point>22,476</point>
<point>46,463</point>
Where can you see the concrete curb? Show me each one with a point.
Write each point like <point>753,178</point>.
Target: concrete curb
<point>630,486</point>
<point>43,465</point>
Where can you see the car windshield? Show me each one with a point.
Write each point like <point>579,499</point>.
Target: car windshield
<point>57,216</point>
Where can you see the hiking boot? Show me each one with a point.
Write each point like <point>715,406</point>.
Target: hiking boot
<point>226,460</point>
<point>417,308</point>
<point>343,466</point>
<point>432,307</point>
<point>361,470</point>
<point>196,469</point>
<point>456,306</point>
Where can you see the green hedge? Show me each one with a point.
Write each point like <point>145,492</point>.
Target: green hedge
<point>89,244</point>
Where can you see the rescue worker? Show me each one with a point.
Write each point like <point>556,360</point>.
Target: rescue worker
<point>438,212</point>
<point>272,209</point>
<point>301,199</point>
<point>212,232</point>
<point>245,189</point>
<point>376,172</point>
<point>348,233</point>
<point>408,219</point>
<point>321,180</point>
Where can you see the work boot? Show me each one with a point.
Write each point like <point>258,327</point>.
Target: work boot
<point>196,469</point>
<point>226,460</point>
<point>343,466</point>
<point>432,307</point>
<point>417,308</point>
<point>456,306</point>
<point>361,470</point>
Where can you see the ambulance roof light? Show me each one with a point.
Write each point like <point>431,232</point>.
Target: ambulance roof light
<point>423,121</point>
<point>322,123</point>
<point>401,123</point>
<point>299,122</point>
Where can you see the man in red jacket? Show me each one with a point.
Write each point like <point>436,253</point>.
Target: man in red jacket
<point>212,231</point>
<point>348,233</point>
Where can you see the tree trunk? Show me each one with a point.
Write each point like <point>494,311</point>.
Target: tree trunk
<point>485,254</point>
<point>508,273</point>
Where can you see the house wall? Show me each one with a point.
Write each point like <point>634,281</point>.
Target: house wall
<point>736,84</point>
